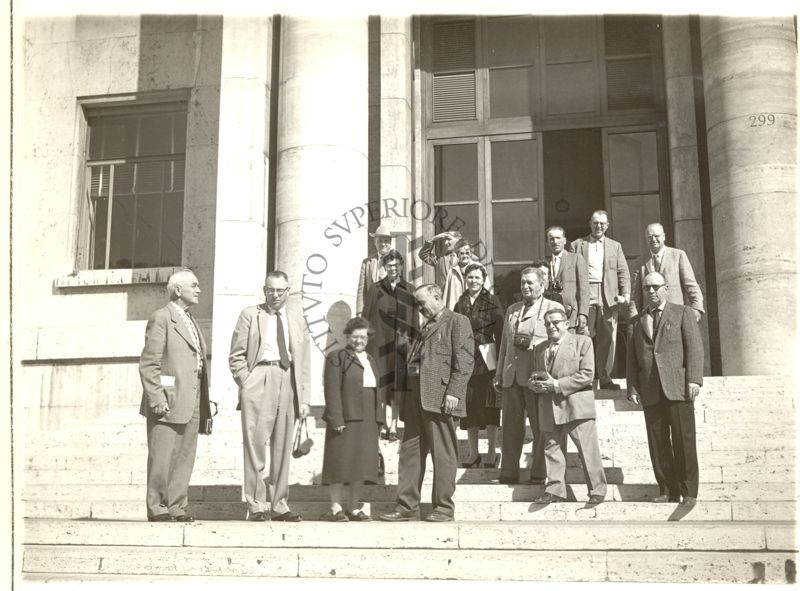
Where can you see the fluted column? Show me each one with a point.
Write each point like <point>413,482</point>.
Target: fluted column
<point>750,90</point>
<point>321,196</point>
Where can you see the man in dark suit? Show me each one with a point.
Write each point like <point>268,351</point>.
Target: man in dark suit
<point>568,276</point>
<point>563,371</point>
<point>174,399</point>
<point>440,364</point>
<point>609,286</point>
<point>269,359</point>
<point>372,269</point>
<point>665,372</point>
<point>674,266</point>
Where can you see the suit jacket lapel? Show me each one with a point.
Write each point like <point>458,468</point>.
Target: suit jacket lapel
<point>559,358</point>
<point>181,327</point>
<point>663,323</point>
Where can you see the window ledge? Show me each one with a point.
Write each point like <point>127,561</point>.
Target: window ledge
<point>151,275</point>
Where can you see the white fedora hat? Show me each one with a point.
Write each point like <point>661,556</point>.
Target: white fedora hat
<point>381,231</point>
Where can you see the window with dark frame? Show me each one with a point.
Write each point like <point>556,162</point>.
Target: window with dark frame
<point>134,187</point>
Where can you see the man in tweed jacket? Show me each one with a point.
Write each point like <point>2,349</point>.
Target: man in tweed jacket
<point>440,364</point>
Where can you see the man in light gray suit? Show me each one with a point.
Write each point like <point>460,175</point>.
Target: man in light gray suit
<point>665,372</point>
<point>269,358</point>
<point>674,266</point>
<point>563,371</point>
<point>174,399</point>
<point>609,286</point>
<point>523,329</point>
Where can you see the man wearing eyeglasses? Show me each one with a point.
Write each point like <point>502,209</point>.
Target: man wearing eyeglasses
<point>609,286</point>
<point>665,372</point>
<point>674,266</point>
<point>563,371</point>
<point>269,361</point>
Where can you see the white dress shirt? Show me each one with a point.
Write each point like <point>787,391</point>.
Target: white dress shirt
<point>270,343</point>
<point>596,256</point>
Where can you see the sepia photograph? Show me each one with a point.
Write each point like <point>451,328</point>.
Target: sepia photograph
<point>376,294</point>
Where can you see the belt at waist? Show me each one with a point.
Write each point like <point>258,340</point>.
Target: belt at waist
<point>271,363</point>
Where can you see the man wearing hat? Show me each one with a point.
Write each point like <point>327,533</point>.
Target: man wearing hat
<point>372,269</point>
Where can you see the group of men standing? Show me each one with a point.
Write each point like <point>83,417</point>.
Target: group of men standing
<point>555,342</point>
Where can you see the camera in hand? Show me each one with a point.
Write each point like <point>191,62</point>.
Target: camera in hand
<point>522,340</point>
<point>539,376</point>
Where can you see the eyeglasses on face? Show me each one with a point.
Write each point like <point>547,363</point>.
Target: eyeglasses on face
<point>275,291</point>
<point>553,323</point>
<point>653,287</point>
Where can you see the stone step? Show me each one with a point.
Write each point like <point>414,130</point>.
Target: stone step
<point>754,491</point>
<point>311,474</point>
<point>466,511</point>
<point>520,535</point>
<point>231,565</point>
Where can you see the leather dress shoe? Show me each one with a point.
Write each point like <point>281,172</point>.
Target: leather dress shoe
<point>665,499</point>
<point>508,480</point>
<point>357,515</point>
<point>288,516</point>
<point>595,500</point>
<point>185,518</point>
<point>398,516</point>
<point>161,517</point>
<point>548,498</point>
<point>689,501</point>
<point>338,516</point>
<point>609,386</point>
<point>438,517</point>
<point>258,516</point>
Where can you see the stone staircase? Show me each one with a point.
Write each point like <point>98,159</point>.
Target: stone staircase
<point>84,490</point>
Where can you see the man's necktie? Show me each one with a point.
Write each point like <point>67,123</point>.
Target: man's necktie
<point>656,264</point>
<point>551,356</point>
<point>656,319</point>
<point>282,350</point>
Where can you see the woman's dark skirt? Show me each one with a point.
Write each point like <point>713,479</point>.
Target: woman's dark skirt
<point>352,455</point>
<point>478,396</point>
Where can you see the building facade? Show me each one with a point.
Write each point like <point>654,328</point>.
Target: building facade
<point>237,145</point>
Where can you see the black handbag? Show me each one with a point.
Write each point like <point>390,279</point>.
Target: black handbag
<point>302,445</point>
<point>207,424</point>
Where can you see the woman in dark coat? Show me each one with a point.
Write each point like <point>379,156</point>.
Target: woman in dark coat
<point>485,314</point>
<point>391,311</point>
<point>354,410</point>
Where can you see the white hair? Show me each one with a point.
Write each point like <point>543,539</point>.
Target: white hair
<point>176,279</point>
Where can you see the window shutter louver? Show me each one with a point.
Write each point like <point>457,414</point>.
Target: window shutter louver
<point>629,62</point>
<point>454,88</point>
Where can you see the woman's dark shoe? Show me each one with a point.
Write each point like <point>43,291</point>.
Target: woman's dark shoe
<point>495,464</point>
<point>474,464</point>
<point>392,436</point>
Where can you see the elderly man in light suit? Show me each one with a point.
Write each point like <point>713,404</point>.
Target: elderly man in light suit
<point>665,372</point>
<point>674,266</point>
<point>563,371</point>
<point>372,269</point>
<point>174,399</point>
<point>523,329</point>
<point>440,364</point>
<point>609,286</point>
<point>269,361</point>
<point>569,273</point>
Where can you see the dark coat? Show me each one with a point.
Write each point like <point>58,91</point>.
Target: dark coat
<point>486,318</point>
<point>344,397</point>
<point>671,361</point>
<point>393,317</point>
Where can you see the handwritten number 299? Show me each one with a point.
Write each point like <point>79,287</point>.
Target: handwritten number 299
<point>762,120</point>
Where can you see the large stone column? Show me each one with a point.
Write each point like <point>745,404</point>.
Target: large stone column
<point>750,91</point>
<point>683,158</point>
<point>321,197</point>
<point>242,170</point>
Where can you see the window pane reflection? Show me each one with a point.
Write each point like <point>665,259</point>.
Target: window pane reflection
<point>514,166</point>
<point>511,92</point>
<point>456,172</point>
<point>514,230</point>
<point>634,162</point>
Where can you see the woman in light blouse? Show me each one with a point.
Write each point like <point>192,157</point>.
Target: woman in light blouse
<point>354,410</point>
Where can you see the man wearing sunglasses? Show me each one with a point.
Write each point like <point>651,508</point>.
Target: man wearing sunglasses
<point>269,358</point>
<point>665,372</point>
